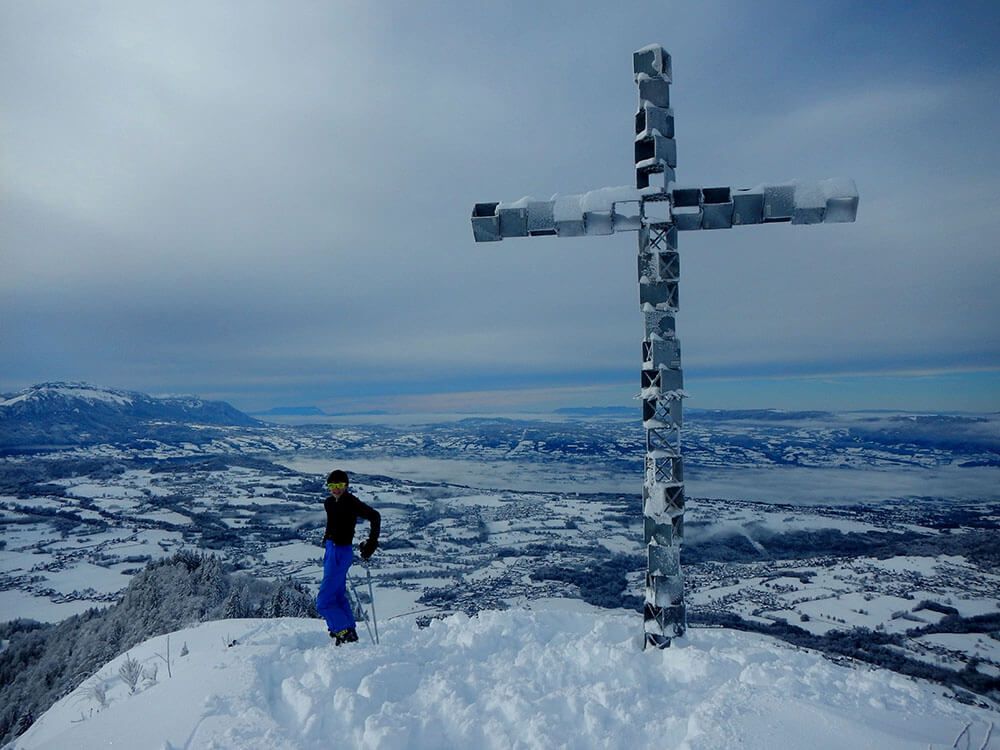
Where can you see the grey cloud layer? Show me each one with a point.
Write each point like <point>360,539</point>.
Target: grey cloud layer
<point>252,192</point>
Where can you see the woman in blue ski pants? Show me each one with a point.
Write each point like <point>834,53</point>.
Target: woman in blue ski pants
<point>332,602</point>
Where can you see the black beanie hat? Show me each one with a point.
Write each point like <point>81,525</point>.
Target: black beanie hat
<point>337,476</point>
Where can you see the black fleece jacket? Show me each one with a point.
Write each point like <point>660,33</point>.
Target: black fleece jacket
<point>342,516</point>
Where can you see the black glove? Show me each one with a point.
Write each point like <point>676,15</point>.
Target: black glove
<point>368,548</point>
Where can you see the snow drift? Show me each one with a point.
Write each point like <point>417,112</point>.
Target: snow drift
<point>545,678</point>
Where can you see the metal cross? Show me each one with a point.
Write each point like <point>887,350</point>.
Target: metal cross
<point>657,210</point>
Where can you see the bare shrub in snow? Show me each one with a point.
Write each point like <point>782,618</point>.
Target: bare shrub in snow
<point>130,671</point>
<point>167,658</point>
<point>96,691</point>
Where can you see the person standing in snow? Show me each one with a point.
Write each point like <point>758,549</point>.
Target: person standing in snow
<point>342,512</point>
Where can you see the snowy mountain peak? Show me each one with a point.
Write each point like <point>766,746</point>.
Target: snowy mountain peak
<point>535,679</point>
<point>72,413</point>
<point>48,392</point>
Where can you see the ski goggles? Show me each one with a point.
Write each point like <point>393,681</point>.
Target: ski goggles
<point>336,486</point>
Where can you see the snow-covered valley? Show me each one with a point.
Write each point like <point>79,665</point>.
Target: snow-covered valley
<point>864,537</point>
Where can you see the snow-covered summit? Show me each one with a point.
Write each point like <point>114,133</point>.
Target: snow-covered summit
<point>547,678</point>
<point>48,395</point>
<point>60,391</point>
<point>69,413</point>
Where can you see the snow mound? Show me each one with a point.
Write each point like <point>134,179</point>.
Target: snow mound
<point>515,679</point>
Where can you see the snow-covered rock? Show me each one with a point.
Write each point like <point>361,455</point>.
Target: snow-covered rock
<point>548,678</point>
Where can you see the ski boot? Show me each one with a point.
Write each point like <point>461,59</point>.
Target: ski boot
<point>347,635</point>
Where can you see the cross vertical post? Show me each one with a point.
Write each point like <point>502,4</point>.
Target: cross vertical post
<point>658,210</point>
<point>664,613</point>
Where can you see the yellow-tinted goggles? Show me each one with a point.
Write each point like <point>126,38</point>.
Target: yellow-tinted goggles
<point>336,486</point>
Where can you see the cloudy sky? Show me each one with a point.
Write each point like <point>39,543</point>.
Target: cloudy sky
<point>269,202</point>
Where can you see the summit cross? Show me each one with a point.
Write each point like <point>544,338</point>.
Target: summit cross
<point>658,210</point>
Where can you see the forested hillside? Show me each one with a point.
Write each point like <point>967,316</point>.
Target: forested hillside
<point>42,663</point>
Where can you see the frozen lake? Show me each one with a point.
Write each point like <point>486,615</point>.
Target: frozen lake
<point>524,476</point>
<point>794,485</point>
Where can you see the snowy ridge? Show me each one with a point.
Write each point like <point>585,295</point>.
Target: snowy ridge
<point>546,678</point>
<point>58,414</point>
<point>69,391</point>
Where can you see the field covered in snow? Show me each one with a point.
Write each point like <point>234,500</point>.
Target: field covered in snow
<point>494,513</point>
<point>551,677</point>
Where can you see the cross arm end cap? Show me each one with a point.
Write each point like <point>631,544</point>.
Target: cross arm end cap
<point>842,199</point>
<point>486,223</point>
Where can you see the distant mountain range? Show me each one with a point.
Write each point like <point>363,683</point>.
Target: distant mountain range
<point>62,414</point>
<point>292,411</point>
<point>314,411</point>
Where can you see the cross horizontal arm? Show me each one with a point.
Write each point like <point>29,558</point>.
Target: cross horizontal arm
<point>603,211</point>
<point>795,202</point>
<point>624,209</point>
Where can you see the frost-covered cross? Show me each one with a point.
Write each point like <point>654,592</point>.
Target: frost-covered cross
<point>658,210</point>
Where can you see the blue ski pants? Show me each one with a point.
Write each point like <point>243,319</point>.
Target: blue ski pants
<point>332,602</point>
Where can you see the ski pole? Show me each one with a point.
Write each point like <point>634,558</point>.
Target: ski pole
<point>371,595</point>
<point>361,609</point>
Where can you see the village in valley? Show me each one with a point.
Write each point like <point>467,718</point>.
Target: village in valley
<point>505,523</point>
